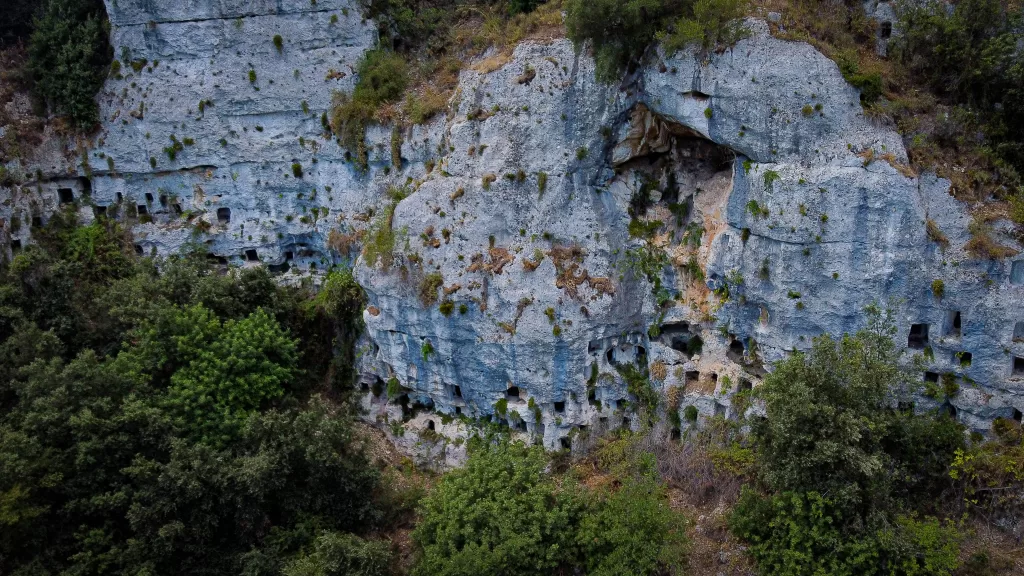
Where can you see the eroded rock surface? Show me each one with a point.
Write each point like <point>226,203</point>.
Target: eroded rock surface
<point>517,287</point>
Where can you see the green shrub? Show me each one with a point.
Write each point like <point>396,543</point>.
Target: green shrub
<point>504,514</point>
<point>383,77</point>
<point>341,553</point>
<point>429,287</point>
<point>793,534</point>
<point>379,247</point>
<point>447,307</point>
<point>252,76</point>
<point>938,288</point>
<point>842,500</point>
<point>69,58</point>
<point>690,413</point>
<point>278,42</point>
<point>969,53</point>
<point>297,170</point>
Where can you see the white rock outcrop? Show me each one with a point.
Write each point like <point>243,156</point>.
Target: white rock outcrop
<point>516,289</point>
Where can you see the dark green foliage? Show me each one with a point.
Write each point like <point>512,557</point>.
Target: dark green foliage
<point>845,469</point>
<point>794,534</point>
<point>16,20</point>
<point>342,554</point>
<point>972,54</point>
<point>503,514</point>
<point>622,30</point>
<point>473,522</point>
<point>153,420</point>
<point>69,58</point>
<point>523,6</point>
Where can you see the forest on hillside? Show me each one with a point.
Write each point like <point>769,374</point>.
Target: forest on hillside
<point>163,415</point>
<point>160,416</point>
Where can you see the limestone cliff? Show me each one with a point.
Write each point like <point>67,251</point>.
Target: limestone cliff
<point>517,286</point>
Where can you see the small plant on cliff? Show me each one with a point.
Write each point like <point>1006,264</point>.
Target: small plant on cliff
<point>297,170</point>
<point>429,287</point>
<point>383,77</point>
<point>278,42</point>
<point>447,307</point>
<point>690,413</point>
<point>252,76</point>
<point>938,288</point>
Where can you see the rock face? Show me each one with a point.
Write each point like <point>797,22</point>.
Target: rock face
<point>518,271</point>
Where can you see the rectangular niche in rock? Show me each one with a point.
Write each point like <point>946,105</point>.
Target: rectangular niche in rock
<point>962,358</point>
<point>224,215</point>
<point>918,338</point>
<point>65,195</point>
<point>15,245</point>
<point>149,198</point>
<point>559,407</point>
<point>1018,332</point>
<point>952,324</point>
<point>99,211</point>
<point>143,210</point>
<point>931,377</point>
<point>1018,366</point>
<point>252,256</point>
<point>512,393</point>
<point>1017,272</point>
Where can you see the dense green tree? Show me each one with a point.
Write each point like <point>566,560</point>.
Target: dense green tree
<point>501,514</point>
<point>845,468</point>
<point>972,53</point>
<point>69,57</point>
<point>504,514</point>
<point>153,418</point>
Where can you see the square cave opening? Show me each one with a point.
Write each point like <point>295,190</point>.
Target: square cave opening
<point>252,256</point>
<point>1018,366</point>
<point>65,195</point>
<point>918,338</point>
<point>952,324</point>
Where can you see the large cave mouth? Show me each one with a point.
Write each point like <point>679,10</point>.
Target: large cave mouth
<point>668,163</point>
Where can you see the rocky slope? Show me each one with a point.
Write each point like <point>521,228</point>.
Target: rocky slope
<point>515,287</point>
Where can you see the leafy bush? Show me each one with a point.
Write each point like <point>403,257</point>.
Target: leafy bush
<point>845,468</point>
<point>503,514</point>
<point>383,77</point>
<point>340,553</point>
<point>631,531</point>
<point>622,31</point>
<point>707,23</point>
<point>69,58</point>
<point>794,534</point>
<point>499,514</point>
<point>227,370</point>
